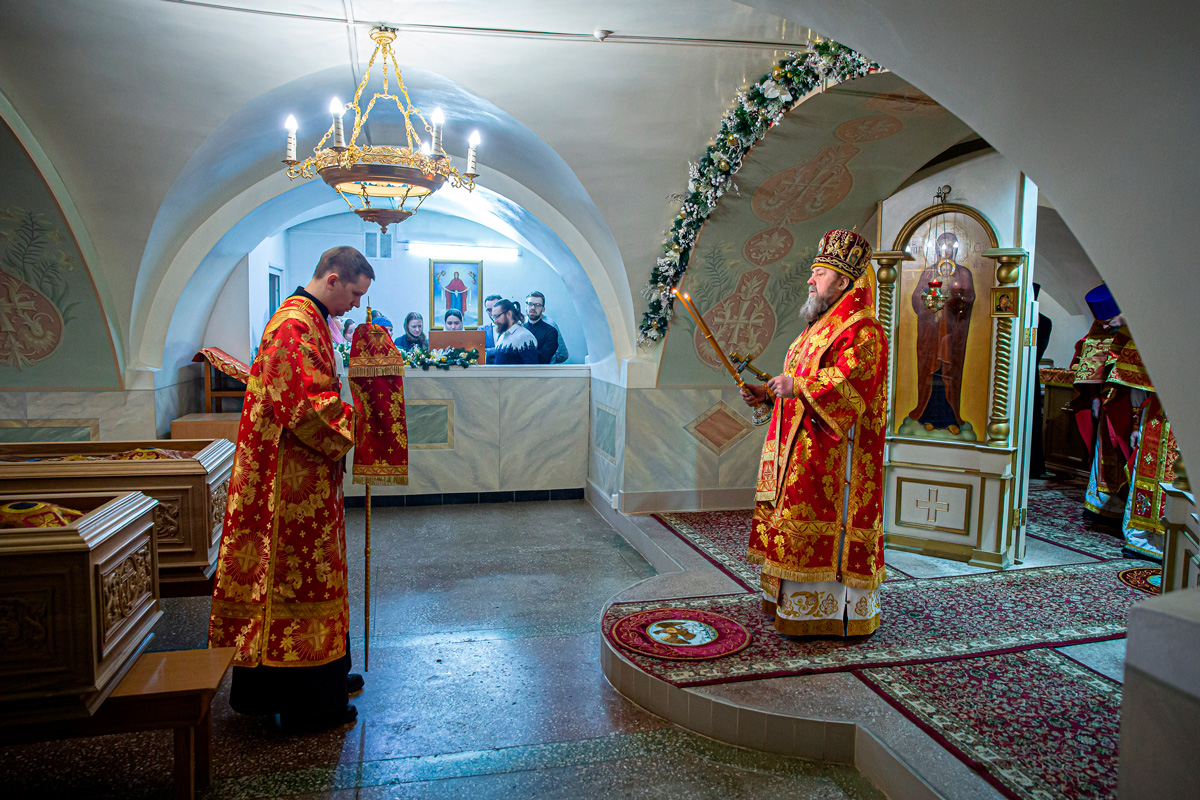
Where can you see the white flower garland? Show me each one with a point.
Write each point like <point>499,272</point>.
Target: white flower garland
<point>755,111</point>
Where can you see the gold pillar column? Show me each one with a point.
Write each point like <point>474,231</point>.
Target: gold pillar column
<point>1008,270</point>
<point>886,278</point>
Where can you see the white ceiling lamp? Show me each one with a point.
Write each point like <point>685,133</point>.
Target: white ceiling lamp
<point>463,252</point>
<point>370,178</point>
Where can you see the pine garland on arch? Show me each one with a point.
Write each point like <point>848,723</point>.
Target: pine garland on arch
<point>755,111</point>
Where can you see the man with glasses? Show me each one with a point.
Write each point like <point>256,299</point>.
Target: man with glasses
<point>545,333</point>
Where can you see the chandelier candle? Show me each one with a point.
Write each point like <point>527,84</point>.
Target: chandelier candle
<point>290,157</point>
<point>439,120</point>
<point>339,134</point>
<point>474,143</point>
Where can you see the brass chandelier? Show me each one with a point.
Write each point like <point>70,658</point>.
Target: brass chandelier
<point>377,181</point>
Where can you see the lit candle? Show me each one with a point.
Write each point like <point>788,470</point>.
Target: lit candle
<point>291,139</point>
<point>439,119</point>
<point>339,134</point>
<point>473,142</point>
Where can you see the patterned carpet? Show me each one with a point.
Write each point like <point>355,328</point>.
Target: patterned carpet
<point>984,709</point>
<point>722,538</point>
<point>1056,516</point>
<point>933,619</point>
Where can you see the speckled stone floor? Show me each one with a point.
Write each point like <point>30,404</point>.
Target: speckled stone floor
<point>484,682</point>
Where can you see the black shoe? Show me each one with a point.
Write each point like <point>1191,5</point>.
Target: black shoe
<point>308,723</point>
<point>1129,552</point>
<point>354,684</point>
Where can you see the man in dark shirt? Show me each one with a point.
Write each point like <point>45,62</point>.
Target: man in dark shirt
<point>545,333</point>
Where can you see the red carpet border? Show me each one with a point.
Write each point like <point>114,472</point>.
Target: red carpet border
<point>923,620</point>
<point>1056,516</point>
<point>1035,724</point>
<point>722,537</point>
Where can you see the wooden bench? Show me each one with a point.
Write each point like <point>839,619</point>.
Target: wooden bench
<point>163,690</point>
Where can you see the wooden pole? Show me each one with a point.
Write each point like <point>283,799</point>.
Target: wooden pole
<point>367,604</point>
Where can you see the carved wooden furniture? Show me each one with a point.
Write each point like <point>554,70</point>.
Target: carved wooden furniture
<point>191,491</point>
<point>1064,447</point>
<point>163,690</point>
<point>77,603</point>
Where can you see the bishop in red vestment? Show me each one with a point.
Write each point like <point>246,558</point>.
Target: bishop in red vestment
<point>280,593</point>
<point>818,524</point>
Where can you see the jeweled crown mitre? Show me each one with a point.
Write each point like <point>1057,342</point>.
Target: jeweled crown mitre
<point>845,252</point>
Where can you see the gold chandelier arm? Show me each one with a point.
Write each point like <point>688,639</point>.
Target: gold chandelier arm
<point>409,130</point>
<point>359,117</point>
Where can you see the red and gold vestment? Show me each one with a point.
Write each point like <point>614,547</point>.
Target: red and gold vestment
<point>839,365</point>
<point>1106,435</point>
<point>377,382</point>
<point>280,594</point>
<point>1152,461</point>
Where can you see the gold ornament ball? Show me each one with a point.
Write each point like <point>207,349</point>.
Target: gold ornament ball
<point>778,73</point>
<point>723,165</point>
<point>732,140</point>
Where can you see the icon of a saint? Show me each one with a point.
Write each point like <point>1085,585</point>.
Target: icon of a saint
<point>942,340</point>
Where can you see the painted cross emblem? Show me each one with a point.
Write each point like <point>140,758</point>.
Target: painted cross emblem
<point>931,506</point>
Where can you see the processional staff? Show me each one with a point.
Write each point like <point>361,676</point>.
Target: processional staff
<point>380,437</point>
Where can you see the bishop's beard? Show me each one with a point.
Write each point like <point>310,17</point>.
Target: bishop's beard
<point>816,305</point>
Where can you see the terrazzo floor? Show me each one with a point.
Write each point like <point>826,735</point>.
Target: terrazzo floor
<point>484,682</point>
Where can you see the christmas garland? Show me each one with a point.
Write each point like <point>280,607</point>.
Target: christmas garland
<point>758,108</point>
<point>440,359</point>
<point>420,357</point>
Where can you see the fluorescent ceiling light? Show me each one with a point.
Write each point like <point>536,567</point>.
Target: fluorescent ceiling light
<point>463,252</point>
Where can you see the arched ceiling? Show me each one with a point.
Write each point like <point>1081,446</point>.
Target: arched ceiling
<point>124,94</point>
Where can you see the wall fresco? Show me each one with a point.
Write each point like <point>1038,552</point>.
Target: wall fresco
<point>52,330</point>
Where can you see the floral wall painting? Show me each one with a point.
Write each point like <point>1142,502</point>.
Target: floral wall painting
<point>743,322</point>
<point>943,353</point>
<point>53,334</point>
<point>34,293</point>
<point>455,285</point>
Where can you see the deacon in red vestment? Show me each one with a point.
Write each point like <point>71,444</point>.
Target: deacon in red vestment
<point>1103,410</point>
<point>818,525</point>
<point>280,593</point>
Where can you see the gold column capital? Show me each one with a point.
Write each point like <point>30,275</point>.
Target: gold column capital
<point>888,259</point>
<point>1009,260</point>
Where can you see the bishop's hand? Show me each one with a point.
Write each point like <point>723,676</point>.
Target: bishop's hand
<point>754,394</point>
<point>782,386</point>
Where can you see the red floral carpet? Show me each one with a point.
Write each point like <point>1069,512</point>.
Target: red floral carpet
<point>923,620</point>
<point>722,537</point>
<point>1056,516</point>
<point>1034,724</point>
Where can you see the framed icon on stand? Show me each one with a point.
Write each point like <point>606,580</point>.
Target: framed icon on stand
<point>455,285</point>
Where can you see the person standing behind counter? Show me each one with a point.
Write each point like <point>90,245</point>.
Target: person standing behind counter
<point>514,344</point>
